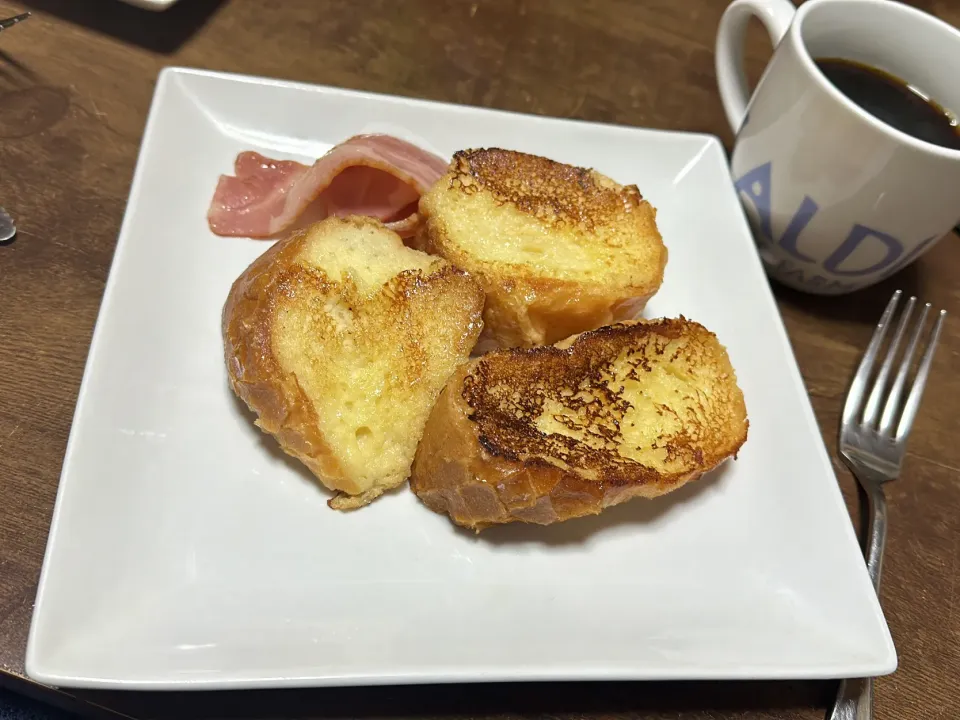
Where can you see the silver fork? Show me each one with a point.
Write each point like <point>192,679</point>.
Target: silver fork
<point>873,439</point>
<point>7,227</point>
<point>11,21</point>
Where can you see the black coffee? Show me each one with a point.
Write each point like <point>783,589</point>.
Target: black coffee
<point>892,100</point>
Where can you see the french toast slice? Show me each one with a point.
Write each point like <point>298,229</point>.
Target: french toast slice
<point>558,249</point>
<point>340,338</point>
<point>551,433</point>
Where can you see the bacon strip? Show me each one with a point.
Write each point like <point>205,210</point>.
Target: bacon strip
<point>376,175</point>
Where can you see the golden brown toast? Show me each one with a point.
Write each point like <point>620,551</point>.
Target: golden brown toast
<point>340,339</point>
<point>556,432</point>
<point>558,249</point>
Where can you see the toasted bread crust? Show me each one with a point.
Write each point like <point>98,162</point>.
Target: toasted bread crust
<point>483,461</point>
<point>554,193</point>
<point>526,307</point>
<point>253,370</point>
<point>255,373</point>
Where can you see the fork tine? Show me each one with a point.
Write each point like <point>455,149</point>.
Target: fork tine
<point>916,392</point>
<point>880,384</point>
<point>855,395</point>
<point>896,391</point>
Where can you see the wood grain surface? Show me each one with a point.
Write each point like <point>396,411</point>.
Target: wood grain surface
<point>75,85</point>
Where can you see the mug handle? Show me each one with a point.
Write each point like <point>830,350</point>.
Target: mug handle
<point>776,16</point>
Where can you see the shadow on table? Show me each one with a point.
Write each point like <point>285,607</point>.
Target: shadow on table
<point>20,707</point>
<point>161,32</point>
<point>28,105</point>
<point>556,700</point>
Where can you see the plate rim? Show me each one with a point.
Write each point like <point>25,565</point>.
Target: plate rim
<point>34,662</point>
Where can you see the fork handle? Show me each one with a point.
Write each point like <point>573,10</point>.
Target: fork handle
<point>855,696</point>
<point>876,532</point>
<point>854,700</point>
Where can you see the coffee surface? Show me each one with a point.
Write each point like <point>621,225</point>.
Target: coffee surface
<point>894,101</point>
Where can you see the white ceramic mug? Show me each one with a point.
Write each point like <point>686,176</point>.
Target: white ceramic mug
<point>838,199</point>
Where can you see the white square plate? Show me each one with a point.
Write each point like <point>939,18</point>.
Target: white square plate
<point>186,551</point>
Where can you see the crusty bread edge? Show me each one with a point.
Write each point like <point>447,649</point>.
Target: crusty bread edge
<point>253,370</point>
<point>526,310</point>
<point>451,447</point>
<point>255,376</point>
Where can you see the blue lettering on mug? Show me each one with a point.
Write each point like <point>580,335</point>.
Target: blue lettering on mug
<point>789,270</point>
<point>788,241</point>
<point>909,257</point>
<point>858,235</point>
<point>756,184</point>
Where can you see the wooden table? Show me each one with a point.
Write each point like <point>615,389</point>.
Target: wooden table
<point>75,85</point>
